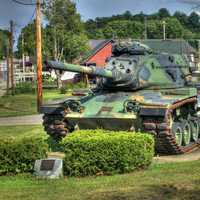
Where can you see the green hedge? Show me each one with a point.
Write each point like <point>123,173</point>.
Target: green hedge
<point>94,152</point>
<point>17,155</point>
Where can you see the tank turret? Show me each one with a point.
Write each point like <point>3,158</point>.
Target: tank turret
<point>135,71</point>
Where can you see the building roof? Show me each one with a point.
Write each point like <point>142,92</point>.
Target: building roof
<point>170,46</point>
<point>96,45</point>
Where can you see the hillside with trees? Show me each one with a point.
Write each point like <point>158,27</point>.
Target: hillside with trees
<point>126,25</point>
<point>65,37</point>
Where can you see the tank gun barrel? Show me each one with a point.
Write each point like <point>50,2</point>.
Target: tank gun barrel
<point>80,69</point>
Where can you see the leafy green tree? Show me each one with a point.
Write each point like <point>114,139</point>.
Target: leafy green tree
<point>194,21</point>
<point>28,33</point>
<point>163,13</point>
<point>66,27</point>
<point>4,37</point>
<point>174,28</point>
<point>123,29</point>
<point>182,17</point>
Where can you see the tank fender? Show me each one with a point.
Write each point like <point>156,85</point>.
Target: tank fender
<point>56,106</point>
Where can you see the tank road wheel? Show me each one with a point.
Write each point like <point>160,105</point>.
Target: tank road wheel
<point>194,129</point>
<point>55,126</point>
<point>177,131</point>
<point>186,132</point>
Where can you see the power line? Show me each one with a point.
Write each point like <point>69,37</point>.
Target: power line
<point>24,4</point>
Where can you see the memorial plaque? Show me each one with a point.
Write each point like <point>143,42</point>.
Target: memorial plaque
<point>49,168</point>
<point>47,165</point>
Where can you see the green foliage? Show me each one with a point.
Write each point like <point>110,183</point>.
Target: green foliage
<point>25,88</point>
<point>3,43</point>
<point>63,38</point>
<point>17,155</point>
<point>67,36</point>
<point>105,152</point>
<point>128,25</point>
<point>163,13</point>
<point>72,86</point>
<point>28,35</point>
<point>123,29</point>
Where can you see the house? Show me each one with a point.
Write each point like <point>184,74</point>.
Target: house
<point>100,51</point>
<point>3,70</point>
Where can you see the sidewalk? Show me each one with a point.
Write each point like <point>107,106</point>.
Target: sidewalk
<point>2,88</point>
<point>21,120</point>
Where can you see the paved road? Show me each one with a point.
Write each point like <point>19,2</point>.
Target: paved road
<point>2,88</point>
<point>23,120</point>
<point>192,156</point>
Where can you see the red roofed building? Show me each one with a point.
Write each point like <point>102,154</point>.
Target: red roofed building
<point>101,50</point>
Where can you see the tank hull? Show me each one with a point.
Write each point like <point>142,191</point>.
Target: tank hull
<point>156,115</point>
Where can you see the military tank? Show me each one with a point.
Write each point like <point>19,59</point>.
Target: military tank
<point>138,91</point>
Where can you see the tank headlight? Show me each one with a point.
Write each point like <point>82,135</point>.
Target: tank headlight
<point>131,106</point>
<point>73,106</point>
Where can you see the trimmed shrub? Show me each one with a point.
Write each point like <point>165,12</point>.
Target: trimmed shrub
<point>93,152</point>
<point>17,155</point>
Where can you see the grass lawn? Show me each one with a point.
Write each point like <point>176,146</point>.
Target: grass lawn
<point>21,131</point>
<point>179,181</point>
<point>173,181</point>
<point>24,104</point>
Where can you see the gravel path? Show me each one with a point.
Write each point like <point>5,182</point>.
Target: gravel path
<point>21,120</point>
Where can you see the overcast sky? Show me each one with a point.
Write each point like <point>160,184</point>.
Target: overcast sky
<point>92,8</point>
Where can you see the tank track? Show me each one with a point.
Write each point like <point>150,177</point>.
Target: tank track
<point>165,142</point>
<point>55,125</point>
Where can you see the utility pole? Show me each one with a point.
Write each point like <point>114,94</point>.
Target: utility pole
<point>23,59</point>
<point>8,69</point>
<point>145,27</point>
<point>198,65</point>
<point>39,55</point>
<point>11,57</point>
<point>164,30</point>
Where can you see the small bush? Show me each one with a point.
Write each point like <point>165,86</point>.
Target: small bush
<point>23,88</point>
<point>17,155</point>
<point>72,86</point>
<point>104,152</point>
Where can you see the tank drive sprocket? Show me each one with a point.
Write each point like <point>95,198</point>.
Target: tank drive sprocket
<point>55,125</point>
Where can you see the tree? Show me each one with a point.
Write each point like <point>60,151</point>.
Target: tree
<point>123,29</point>
<point>28,34</point>
<point>194,21</point>
<point>163,13</point>
<point>66,28</point>
<point>182,17</point>
<point>4,36</point>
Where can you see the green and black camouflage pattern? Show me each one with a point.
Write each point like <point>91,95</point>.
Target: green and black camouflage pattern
<point>136,88</point>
